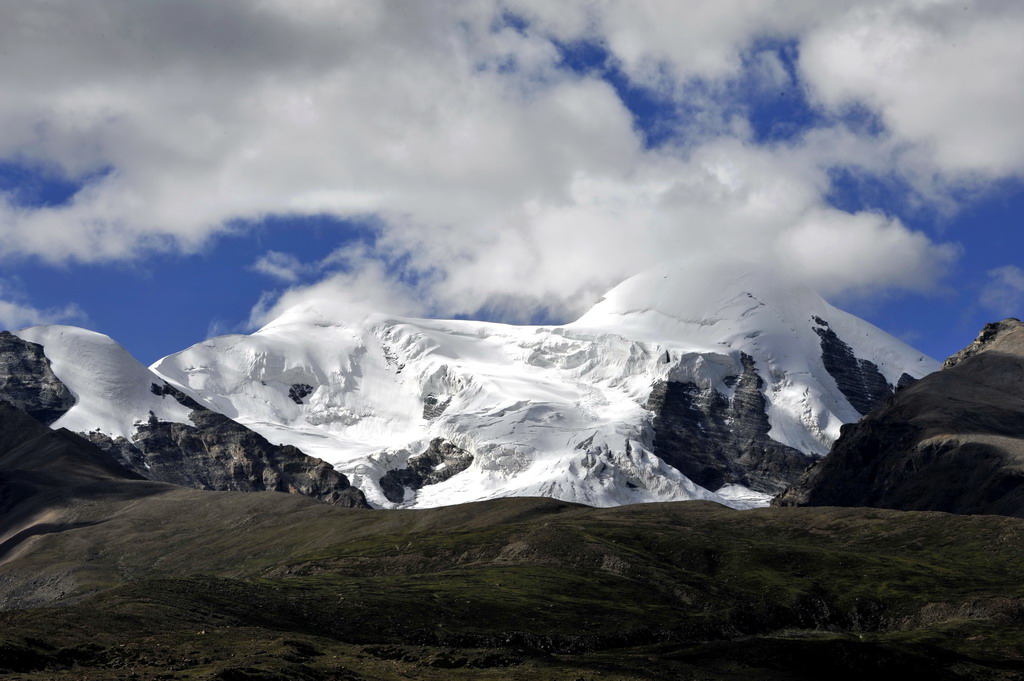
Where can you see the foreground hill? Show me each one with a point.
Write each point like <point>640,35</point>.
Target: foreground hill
<point>108,577</point>
<point>952,442</point>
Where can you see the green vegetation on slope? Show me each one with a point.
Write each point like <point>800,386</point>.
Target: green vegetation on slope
<point>198,585</point>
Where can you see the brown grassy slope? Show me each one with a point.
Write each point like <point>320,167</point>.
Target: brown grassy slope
<point>107,577</point>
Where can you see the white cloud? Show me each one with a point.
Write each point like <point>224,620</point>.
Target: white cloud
<point>282,266</point>
<point>836,252</point>
<point>341,295</point>
<point>395,110</point>
<point>941,74</point>
<point>1003,292</point>
<point>500,178</point>
<point>729,199</point>
<point>660,42</point>
<point>944,77</point>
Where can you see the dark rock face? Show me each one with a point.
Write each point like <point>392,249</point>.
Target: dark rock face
<point>219,454</point>
<point>988,335</point>
<point>167,390</point>
<point>440,461</point>
<point>27,381</point>
<point>214,453</point>
<point>905,381</point>
<point>717,441</point>
<point>298,391</point>
<point>952,442</point>
<point>859,380</point>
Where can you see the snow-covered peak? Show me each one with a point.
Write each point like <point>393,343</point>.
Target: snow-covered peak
<point>318,312</point>
<point>702,293</point>
<point>112,389</point>
<point>745,306</point>
<point>716,308</point>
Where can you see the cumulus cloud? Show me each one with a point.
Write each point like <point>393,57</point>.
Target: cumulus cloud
<point>836,252</point>
<point>558,255</point>
<point>1003,292</point>
<point>664,43</point>
<point>498,178</point>
<point>942,76</point>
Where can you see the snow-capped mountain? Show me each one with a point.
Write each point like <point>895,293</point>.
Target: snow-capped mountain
<point>113,390</point>
<point>682,383</point>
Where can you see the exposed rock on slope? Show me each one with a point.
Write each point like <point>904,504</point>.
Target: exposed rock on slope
<point>996,331</point>
<point>440,461</point>
<point>859,380</point>
<point>35,464</point>
<point>28,382</point>
<point>28,446</point>
<point>218,454</point>
<point>952,442</point>
<point>717,440</point>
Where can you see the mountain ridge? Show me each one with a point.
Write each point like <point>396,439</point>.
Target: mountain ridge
<point>953,442</point>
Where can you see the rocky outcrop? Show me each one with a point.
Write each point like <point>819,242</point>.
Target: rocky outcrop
<point>990,333</point>
<point>859,380</point>
<point>28,382</point>
<point>953,441</point>
<point>905,381</point>
<point>298,391</point>
<point>434,406</point>
<point>440,461</point>
<point>217,453</point>
<point>717,440</point>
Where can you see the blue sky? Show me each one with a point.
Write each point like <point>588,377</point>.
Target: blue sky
<point>171,171</point>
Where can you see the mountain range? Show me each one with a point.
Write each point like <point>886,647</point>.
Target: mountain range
<point>682,383</point>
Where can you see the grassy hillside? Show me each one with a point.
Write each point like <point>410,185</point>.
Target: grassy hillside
<point>138,580</point>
